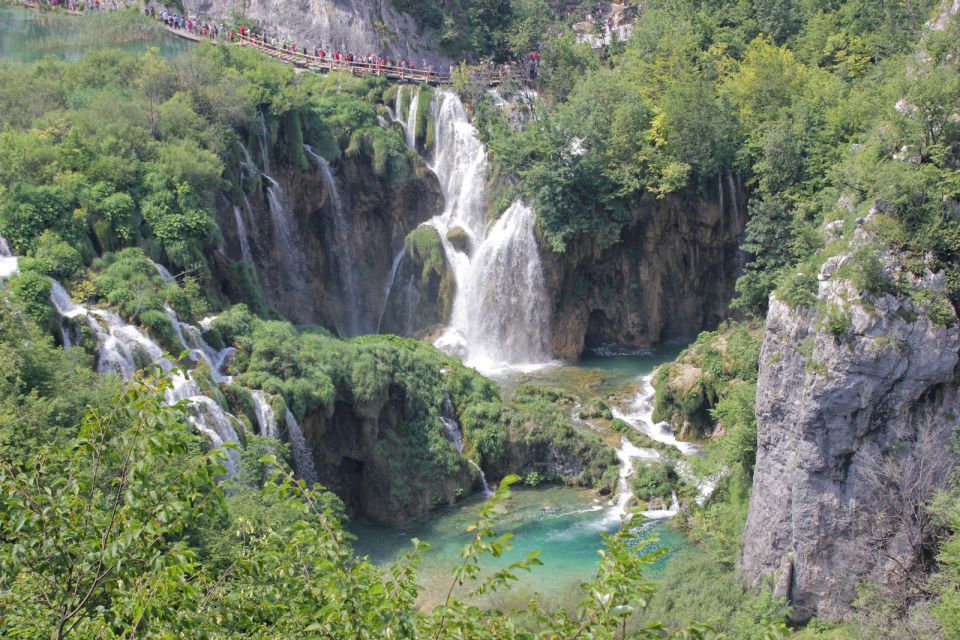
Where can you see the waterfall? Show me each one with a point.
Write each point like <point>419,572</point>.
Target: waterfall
<point>449,420</point>
<point>640,417</point>
<point>123,349</point>
<point>242,236</point>
<point>487,491</point>
<point>500,308</point>
<point>164,273</point>
<point>302,457</point>
<point>410,130</point>
<point>9,264</point>
<point>349,287</point>
<point>192,340</point>
<point>266,419</point>
<point>291,257</point>
<point>264,146</point>
<point>388,288</point>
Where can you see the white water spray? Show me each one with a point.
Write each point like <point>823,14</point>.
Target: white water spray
<point>9,265</point>
<point>499,317</point>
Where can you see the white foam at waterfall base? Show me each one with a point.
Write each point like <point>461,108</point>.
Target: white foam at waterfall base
<point>500,312</point>
<point>9,264</point>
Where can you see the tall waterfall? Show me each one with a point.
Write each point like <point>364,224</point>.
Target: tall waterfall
<point>410,130</point>
<point>352,324</point>
<point>499,313</point>
<point>238,220</point>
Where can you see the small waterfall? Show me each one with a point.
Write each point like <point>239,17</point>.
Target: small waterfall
<point>265,415</point>
<point>343,235</point>
<point>192,340</point>
<point>291,257</point>
<point>410,130</point>
<point>449,420</point>
<point>164,273</point>
<point>487,491</point>
<point>640,417</point>
<point>388,288</point>
<point>264,145</point>
<point>302,457</point>
<point>9,265</point>
<point>245,252</point>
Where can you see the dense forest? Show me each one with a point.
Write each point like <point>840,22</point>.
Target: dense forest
<point>119,519</point>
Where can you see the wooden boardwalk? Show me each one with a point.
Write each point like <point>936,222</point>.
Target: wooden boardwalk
<point>309,62</point>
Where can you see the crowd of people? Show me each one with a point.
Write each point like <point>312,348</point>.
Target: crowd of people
<point>527,69</point>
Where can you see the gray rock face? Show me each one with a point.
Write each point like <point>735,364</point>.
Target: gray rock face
<point>359,26</point>
<point>853,434</point>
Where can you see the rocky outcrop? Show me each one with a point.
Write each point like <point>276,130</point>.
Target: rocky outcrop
<point>670,275</point>
<point>421,294</point>
<point>360,26</point>
<point>379,213</point>
<point>856,401</point>
<point>357,453</point>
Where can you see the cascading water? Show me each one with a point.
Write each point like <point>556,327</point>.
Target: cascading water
<point>353,324</point>
<point>8,262</point>
<point>499,313</point>
<point>123,349</point>
<point>238,220</point>
<point>192,340</point>
<point>266,418</point>
<point>640,417</point>
<point>410,130</point>
<point>388,288</point>
<point>449,420</point>
<point>302,458</point>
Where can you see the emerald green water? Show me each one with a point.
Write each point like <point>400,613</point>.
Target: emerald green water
<point>27,35</point>
<point>564,524</point>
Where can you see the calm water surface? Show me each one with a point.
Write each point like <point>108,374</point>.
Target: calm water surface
<point>27,36</point>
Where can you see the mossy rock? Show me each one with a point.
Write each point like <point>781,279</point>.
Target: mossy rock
<point>596,409</point>
<point>459,240</point>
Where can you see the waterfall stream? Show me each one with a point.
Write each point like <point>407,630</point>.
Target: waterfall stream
<point>352,325</point>
<point>499,316</point>
<point>410,130</point>
<point>238,220</point>
<point>302,458</point>
<point>8,262</point>
<point>640,417</point>
<point>388,288</point>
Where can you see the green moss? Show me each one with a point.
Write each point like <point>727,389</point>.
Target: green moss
<point>425,135</point>
<point>690,388</point>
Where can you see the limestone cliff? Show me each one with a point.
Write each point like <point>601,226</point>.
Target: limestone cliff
<point>856,402</point>
<point>303,281</point>
<point>670,275</point>
<point>357,456</point>
<point>360,26</point>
